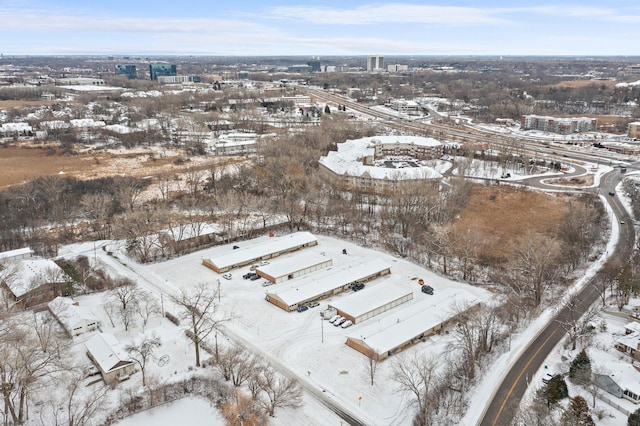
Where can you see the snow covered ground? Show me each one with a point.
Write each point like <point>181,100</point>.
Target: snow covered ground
<point>186,411</point>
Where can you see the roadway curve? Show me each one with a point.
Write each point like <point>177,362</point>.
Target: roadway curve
<point>506,399</point>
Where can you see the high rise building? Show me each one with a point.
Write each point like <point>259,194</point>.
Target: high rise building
<point>375,63</point>
<point>128,71</point>
<point>156,70</point>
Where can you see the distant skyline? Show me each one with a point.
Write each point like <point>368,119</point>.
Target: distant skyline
<point>330,28</point>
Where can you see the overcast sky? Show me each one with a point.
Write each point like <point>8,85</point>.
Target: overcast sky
<point>325,27</point>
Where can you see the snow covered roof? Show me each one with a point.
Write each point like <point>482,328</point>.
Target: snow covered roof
<point>272,247</point>
<point>27,274</point>
<point>86,122</point>
<point>412,321</point>
<point>348,160</point>
<point>371,297</point>
<point>15,127</point>
<point>301,290</point>
<point>21,252</point>
<point>70,313</point>
<point>632,326</point>
<point>122,129</point>
<point>293,264</point>
<point>107,351</point>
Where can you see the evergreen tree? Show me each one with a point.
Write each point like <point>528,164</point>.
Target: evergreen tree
<point>556,389</point>
<point>577,413</point>
<point>580,369</point>
<point>634,418</point>
<point>327,110</point>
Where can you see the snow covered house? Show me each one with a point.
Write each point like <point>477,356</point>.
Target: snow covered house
<point>30,282</point>
<point>75,319</point>
<point>412,324</point>
<point>623,383</point>
<point>17,254</point>
<point>291,295</point>
<point>267,250</point>
<point>110,357</point>
<point>630,344</point>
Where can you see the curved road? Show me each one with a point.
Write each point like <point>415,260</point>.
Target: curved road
<point>507,397</point>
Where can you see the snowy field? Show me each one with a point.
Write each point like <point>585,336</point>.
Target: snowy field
<point>186,411</point>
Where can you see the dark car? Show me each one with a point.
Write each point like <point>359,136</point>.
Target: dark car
<point>612,193</point>
<point>254,277</point>
<point>302,308</point>
<point>247,275</point>
<point>357,286</point>
<point>427,289</point>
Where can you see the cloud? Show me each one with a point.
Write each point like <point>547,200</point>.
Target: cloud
<point>389,13</point>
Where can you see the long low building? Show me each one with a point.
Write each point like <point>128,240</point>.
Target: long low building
<point>392,334</point>
<point>372,301</point>
<point>296,266</point>
<point>290,296</point>
<point>267,250</point>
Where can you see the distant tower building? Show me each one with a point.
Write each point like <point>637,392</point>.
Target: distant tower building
<point>128,71</point>
<point>156,70</point>
<point>315,66</point>
<point>375,63</point>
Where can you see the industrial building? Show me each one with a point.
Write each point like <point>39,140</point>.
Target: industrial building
<point>291,295</point>
<point>293,267</point>
<point>372,301</point>
<point>394,333</point>
<point>272,248</point>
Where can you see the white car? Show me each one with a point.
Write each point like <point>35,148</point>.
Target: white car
<point>267,284</point>
<point>227,276</point>
<point>263,263</point>
<point>339,322</point>
<point>346,324</point>
<point>335,318</point>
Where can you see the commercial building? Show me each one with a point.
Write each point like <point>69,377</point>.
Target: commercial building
<point>128,71</point>
<point>291,295</point>
<point>372,301</point>
<point>563,126</point>
<point>394,333</point>
<point>287,269</point>
<point>156,70</point>
<point>397,68</point>
<point>405,106</point>
<point>375,63</point>
<point>633,130</point>
<point>178,79</point>
<point>383,164</point>
<point>272,248</point>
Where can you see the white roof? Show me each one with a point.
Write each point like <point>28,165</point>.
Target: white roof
<point>293,264</point>
<point>27,274</point>
<point>633,326</point>
<point>304,289</point>
<point>371,297</point>
<point>70,313</point>
<point>15,127</point>
<point>272,246</point>
<point>16,253</point>
<point>411,321</point>
<point>86,122</point>
<point>348,159</point>
<point>107,351</point>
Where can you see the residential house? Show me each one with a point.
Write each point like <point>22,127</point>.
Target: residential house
<point>110,357</point>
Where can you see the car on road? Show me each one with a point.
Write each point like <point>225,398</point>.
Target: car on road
<point>339,322</point>
<point>612,193</point>
<point>347,324</point>
<point>313,304</point>
<point>622,222</point>
<point>302,308</point>
<point>227,276</point>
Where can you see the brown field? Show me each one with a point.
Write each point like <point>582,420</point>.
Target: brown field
<point>4,105</point>
<point>18,165</point>
<point>504,214</point>
<point>585,83</point>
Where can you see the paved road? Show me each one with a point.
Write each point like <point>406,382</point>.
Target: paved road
<point>505,402</point>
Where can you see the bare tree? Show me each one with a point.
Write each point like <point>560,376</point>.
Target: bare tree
<point>280,391</point>
<point>418,376</point>
<point>200,309</point>
<point>72,406</point>
<point>243,411</point>
<point>141,351</point>
<point>372,368</point>
<point>236,364</point>
<point>576,324</point>
<point>147,307</point>
<point>125,298</point>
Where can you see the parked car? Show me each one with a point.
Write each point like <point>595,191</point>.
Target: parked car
<point>91,370</point>
<point>546,378</point>
<point>254,277</point>
<point>263,263</point>
<point>267,284</point>
<point>227,276</point>
<point>334,319</point>
<point>339,322</point>
<point>357,286</point>
<point>347,324</point>
<point>313,304</point>
<point>427,289</point>
<point>253,267</point>
<point>235,247</point>
<point>247,275</point>
<point>302,308</point>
